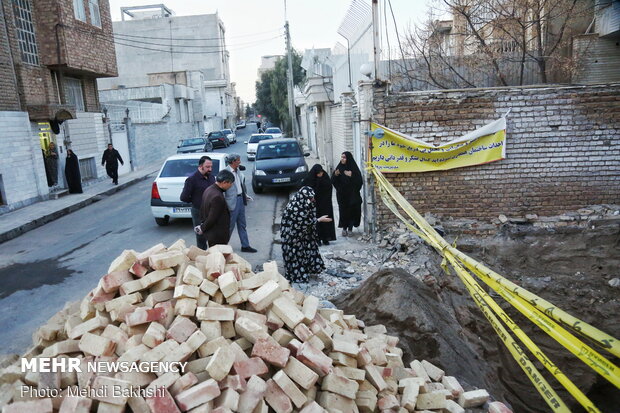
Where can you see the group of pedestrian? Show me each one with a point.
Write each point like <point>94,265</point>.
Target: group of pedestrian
<point>218,204</point>
<point>302,232</point>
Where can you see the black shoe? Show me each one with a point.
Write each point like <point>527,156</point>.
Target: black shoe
<point>325,242</point>
<point>248,249</point>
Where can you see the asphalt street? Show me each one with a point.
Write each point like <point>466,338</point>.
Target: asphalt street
<point>63,260</point>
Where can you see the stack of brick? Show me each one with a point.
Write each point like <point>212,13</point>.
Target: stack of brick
<point>252,343</point>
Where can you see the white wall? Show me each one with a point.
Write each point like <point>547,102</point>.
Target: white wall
<point>88,139</point>
<point>22,168</point>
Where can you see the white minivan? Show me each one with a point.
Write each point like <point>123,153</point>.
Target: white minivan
<point>166,190</point>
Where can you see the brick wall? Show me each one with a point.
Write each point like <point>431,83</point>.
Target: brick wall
<point>22,169</point>
<point>563,149</point>
<point>9,99</point>
<point>83,46</point>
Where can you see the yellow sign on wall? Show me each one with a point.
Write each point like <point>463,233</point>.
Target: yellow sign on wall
<point>397,152</point>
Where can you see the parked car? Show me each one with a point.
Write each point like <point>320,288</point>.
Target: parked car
<point>231,135</point>
<point>276,132</point>
<point>279,162</point>
<point>168,185</point>
<point>218,139</point>
<point>255,138</point>
<point>190,145</point>
<point>241,124</point>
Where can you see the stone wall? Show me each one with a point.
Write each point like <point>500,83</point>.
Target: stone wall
<point>22,173</point>
<point>563,150</point>
<point>154,142</point>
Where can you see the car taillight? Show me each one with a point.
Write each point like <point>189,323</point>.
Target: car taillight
<point>155,191</point>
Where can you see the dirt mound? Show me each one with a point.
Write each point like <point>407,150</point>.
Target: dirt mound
<point>437,320</point>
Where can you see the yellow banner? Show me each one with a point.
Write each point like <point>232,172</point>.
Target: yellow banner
<point>397,152</point>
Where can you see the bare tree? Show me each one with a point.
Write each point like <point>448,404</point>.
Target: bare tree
<point>496,43</point>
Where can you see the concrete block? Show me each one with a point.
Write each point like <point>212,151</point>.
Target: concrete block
<point>429,401</point>
<point>228,283</point>
<point>315,359</point>
<point>96,345</point>
<point>221,363</point>
<point>287,310</point>
<point>253,395</point>
<point>473,398</point>
<point>181,329</point>
<point>197,395</point>
<point>270,351</point>
<point>265,295</point>
<point>277,399</point>
<point>162,402</point>
<point>290,389</point>
<point>215,314</point>
<point>340,385</point>
<point>251,367</point>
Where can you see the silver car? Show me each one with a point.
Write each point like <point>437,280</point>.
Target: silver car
<point>191,145</point>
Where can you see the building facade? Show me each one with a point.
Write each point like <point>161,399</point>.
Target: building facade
<point>154,47</point>
<point>51,53</point>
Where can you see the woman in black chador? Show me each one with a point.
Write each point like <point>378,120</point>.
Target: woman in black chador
<point>347,179</point>
<point>300,248</point>
<point>72,173</point>
<point>318,180</point>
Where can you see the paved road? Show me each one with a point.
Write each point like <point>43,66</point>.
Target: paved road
<point>61,261</point>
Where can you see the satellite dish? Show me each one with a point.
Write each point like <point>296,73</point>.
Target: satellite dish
<point>366,70</point>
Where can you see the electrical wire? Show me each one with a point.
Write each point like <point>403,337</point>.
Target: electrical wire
<point>181,39</point>
<point>194,46</point>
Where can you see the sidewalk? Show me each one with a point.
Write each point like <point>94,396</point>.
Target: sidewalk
<point>15,223</point>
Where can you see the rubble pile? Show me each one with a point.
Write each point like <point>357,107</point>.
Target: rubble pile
<point>252,343</point>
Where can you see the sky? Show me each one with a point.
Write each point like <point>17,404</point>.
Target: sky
<point>251,26</point>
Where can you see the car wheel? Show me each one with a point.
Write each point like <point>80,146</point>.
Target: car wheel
<point>162,222</point>
<point>256,189</point>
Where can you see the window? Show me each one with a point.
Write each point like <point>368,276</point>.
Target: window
<point>88,169</point>
<point>74,94</point>
<point>78,10</point>
<point>95,17</point>
<point>25,32</point>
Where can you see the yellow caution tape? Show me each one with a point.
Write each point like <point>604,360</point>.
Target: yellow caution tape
<point>487,305</point>
<point>603,339</point>
<point>581,350</point>
<point>531,305</point>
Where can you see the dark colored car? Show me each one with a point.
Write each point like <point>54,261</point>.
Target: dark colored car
<point>218,139</point>
<point>279,163</point>
<point>190,145</point>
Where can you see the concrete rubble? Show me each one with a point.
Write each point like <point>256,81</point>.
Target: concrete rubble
<point>252,343</point>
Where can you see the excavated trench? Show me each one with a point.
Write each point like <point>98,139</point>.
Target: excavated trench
<point>437,320</point>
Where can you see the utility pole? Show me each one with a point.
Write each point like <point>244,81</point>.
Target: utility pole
<point>291,85</point>
<point>375,37</point>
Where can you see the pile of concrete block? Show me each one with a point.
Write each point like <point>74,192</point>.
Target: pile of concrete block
<point>252,343</point>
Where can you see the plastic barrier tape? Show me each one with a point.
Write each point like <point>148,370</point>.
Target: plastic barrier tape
<point>515,296</point>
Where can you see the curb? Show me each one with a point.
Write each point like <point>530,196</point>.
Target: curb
<point>38,222</point>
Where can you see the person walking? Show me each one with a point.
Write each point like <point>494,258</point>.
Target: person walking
<point>237,198</point>
<point>319,181</point>
<point>347,179</point>
<point>51,160</point>
<point>300,240</point>
<point>110,159</point>
<point>72,173</point>
<point>195,185</point>
<point>214,213</point>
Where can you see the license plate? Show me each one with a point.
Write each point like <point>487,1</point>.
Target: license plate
<point>278,180</point>
<point>181,210</point>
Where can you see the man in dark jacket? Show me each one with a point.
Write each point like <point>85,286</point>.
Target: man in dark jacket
<point>110,159</point>
<point>195,186</point>
<point>214,214</point>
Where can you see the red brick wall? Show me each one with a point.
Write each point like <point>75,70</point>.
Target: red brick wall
<point>563,150</point>
<point>84,48</point>
<point>9,99</point>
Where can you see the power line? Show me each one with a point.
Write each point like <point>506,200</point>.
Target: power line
<point>193,46</point>
<point>181,39</point>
